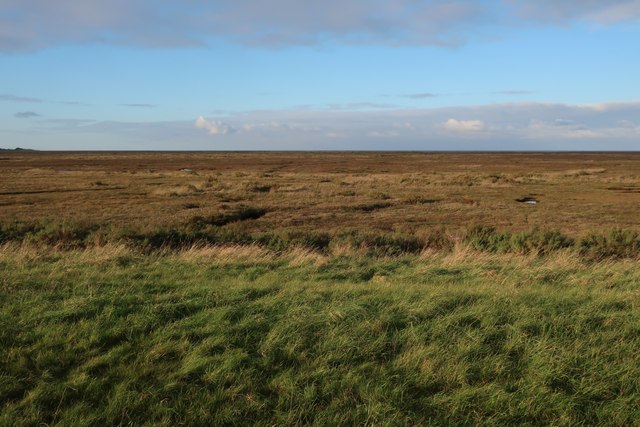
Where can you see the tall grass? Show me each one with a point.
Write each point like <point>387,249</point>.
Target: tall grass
<point>245,335</point>
<point>228,228</point>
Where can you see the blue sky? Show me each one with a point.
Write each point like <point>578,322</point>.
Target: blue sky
<point>306,75</point>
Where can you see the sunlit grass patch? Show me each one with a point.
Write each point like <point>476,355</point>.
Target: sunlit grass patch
<point>244,334</point>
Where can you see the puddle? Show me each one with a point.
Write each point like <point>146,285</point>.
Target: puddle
<point>529,200</point>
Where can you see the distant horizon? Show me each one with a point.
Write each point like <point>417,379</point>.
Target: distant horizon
<point>389,151</point>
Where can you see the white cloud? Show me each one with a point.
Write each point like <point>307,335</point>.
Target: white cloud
<point>334,135</point>
<point>613,106</point>
<point>527,126</point>
<point>561,129</point>
<point>465,126</point>
<point>624,123</point>
<point>214,127</point>
<point>629,125</point>
<point>405,125</point>
<point>383,134</point>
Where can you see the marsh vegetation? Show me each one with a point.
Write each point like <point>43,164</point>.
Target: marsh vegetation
<point>327,289</point>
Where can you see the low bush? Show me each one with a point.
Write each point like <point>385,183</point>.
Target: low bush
<point>484,238</point>
<point>539,241</point>
<point>387,244</point>
<point>16,231</point>
<point>287,240</point>
<point>161,239</point>
<point>536,241</point>
<point>224,218</point>
<point>437,240</point>
<point>230,228</point>
<point>66,234</point>
<point>617,244</point>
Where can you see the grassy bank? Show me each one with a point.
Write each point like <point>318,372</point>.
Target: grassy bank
<point>250,335</point>
<point>230,229</point>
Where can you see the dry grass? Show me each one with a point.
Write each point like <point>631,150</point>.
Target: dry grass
<point>462,252</point>
<point>345,249</point>
<point>181,190</point>
<point>299,256</point>
<point>405,192</point>
<point>227,254</point>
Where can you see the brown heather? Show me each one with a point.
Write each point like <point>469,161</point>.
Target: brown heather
<point>328,192</point>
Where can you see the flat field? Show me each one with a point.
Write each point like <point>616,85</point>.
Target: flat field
<point>577,193</point>
<point>319,289</point>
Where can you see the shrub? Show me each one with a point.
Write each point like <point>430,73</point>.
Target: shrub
<point>387,245</point>
<point>536,241</point>
<point>617,244</point>
<point>16,231</point>
<point>487,239</point>
<point>311,240</point>
<point>179,239</point>
<point>539,241</point>
<point>437,240</point>
<point>161,239</point>
<point>65,234</point>
<point>306,239</point>
<point>221,219</point>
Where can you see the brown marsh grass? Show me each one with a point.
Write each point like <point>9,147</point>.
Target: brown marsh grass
<point>331,192</point>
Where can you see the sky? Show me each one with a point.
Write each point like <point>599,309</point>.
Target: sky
<point>426,75</point>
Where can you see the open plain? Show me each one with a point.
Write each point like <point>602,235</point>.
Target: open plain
<point>577,192</point>
<point>319,288</point>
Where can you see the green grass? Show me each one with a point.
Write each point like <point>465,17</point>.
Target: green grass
<point>241,336</point>
<point>228,228</point>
